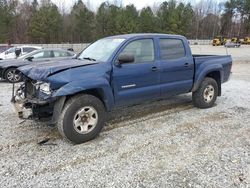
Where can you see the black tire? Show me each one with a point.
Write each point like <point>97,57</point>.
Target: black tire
<point>201,97</point>
<point>66,125</point>
<point>17,75</point>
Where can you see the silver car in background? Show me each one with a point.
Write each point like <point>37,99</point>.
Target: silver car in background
<point>8,68</point>
<point>232,45</point>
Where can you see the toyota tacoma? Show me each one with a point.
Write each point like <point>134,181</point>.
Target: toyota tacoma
<point>117,71</point>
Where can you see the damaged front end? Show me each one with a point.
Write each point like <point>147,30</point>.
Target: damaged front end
<point>33,100</point>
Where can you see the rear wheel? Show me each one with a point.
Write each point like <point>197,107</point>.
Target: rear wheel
<point>12,75</point>
<point>82,118</point>
<point>206,94</point>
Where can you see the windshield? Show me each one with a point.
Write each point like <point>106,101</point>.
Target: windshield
<point>101,50</point>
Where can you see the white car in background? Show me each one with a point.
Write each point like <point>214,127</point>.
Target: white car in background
<point>11,53</point>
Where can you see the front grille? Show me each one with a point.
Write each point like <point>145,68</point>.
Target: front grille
<point>30,89</point>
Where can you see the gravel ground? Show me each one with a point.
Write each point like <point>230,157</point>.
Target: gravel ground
<point>167,143</point>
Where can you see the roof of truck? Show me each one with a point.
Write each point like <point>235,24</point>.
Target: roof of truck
<point>134,35</point>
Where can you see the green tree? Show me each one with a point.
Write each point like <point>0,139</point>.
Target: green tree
<point>127,21</point>
<point>46,24</point>
<point>7,19</point>
<point>102,18</point>
<point>185,15</point>
<point>113,16</point>
<point>227,16</point>
<point>243,7</point>
<point>168,17</point>
<point>175,18</point>
<point>34,5</point>
<point>83,23</point>
<point>147,22</point>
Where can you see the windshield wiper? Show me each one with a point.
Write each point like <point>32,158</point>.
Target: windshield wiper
<point>89,58</point>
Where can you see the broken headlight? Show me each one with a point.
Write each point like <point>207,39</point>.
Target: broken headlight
<point>45,88</point>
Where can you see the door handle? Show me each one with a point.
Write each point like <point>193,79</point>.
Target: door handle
<point>154,69</point>
<point>186,65</point>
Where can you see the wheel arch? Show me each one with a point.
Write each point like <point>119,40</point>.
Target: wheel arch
<point>62,100</point>
<point>98,93</point>
<point>104,93</point>
<point>216,74</point>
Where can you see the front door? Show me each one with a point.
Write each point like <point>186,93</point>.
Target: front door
<point>137,81</point>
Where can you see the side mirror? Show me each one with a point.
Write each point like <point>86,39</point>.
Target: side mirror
<point>6,52</point>
<point>30,58</point>
<point>125,58</point>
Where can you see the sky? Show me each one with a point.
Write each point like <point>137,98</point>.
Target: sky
<point>94,4</point>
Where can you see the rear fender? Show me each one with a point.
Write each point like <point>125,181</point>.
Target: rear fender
<point>204,71</point>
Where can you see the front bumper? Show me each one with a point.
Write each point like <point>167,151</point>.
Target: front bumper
<point>32,109</point>
<point>25,108</point>
<point>29,104</point>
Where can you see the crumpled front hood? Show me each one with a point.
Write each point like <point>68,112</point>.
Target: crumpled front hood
<point>41,71</point>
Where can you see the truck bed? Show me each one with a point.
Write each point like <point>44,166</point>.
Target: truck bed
<point>223,62</point>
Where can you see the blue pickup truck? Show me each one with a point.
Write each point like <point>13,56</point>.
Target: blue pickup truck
<point>117,71</point>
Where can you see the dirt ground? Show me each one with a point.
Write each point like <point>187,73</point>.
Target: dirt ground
<point>168,143</point>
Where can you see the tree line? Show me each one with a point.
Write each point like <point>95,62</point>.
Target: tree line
<point>43,22</point>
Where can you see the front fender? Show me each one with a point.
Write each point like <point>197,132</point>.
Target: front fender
<point>99,84</point>
<point>203,71</point>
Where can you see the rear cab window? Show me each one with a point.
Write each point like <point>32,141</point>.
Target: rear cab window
<point>172,49</point>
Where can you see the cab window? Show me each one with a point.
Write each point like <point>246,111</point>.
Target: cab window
<point>172,49</point>
<point>143,50</point>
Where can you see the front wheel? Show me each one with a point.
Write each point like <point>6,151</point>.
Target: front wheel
<point>206,94</point>
<point>82,118</point>
<point>12,75</point>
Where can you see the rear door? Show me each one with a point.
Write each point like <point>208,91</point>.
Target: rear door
<point>177,68</point>
<point>137,81</point>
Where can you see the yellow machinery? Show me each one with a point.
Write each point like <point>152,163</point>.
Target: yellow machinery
<point>219,40</point>
<point>246,40</point>
<point>235,40</point>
